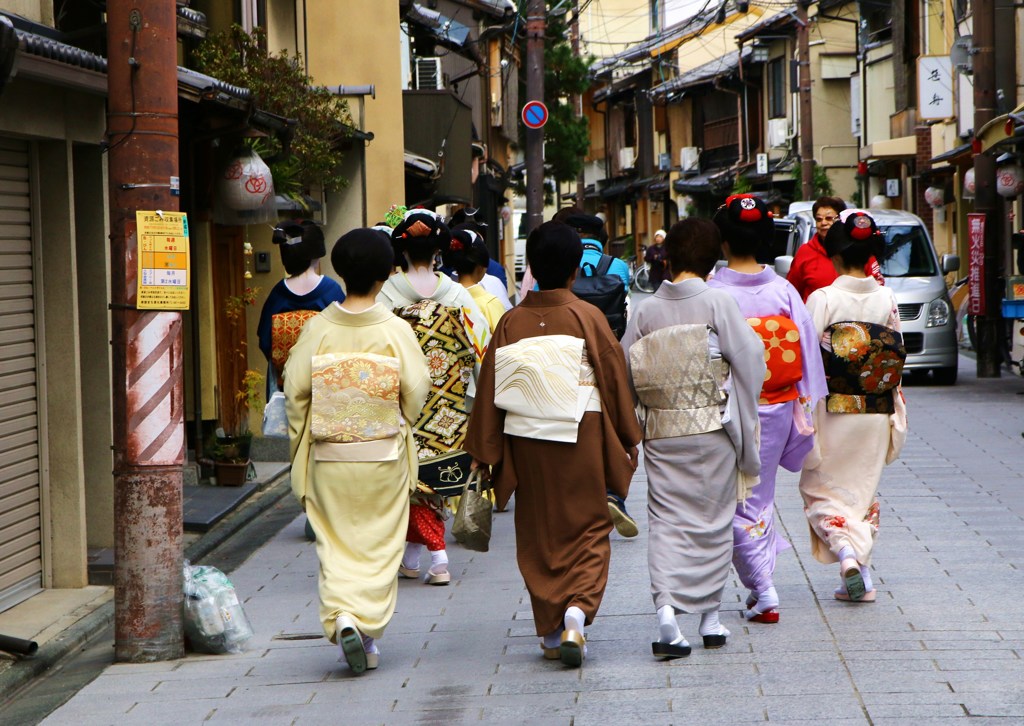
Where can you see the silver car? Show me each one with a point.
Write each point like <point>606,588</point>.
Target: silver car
<point>914,273</point>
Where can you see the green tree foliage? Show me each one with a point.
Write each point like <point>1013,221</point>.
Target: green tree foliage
<point>280,85</point>
<point>822,184</point>
<point>566,135</point>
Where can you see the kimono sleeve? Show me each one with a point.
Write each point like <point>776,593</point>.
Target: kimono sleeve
<point>414,377</point>
<point>298,390</point>
<point>485,436</point>
<point>812,386</point>
<point>817,306</point>
<point>743,348</point>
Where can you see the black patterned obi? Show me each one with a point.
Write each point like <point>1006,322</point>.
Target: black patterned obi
<point>863,367</point>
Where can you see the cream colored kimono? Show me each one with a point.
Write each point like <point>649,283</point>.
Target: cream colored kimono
<point>353,457</point>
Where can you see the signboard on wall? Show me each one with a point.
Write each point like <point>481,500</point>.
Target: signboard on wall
<point>163,282</point>
<point>934,87</point>
<point>976,264</point>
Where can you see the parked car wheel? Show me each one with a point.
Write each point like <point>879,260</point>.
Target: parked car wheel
<point>944,376</point>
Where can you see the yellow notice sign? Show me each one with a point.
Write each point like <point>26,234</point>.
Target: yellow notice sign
<point>163,261</point>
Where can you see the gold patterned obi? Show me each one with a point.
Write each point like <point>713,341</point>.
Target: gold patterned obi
<point>863,365</point>
<point>678,381</point>
<point>545,384</point>
<point>355,407</point>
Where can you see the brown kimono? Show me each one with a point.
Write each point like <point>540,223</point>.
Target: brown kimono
<point>561,514</point>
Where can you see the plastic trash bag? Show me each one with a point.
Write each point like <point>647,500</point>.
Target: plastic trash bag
<point>214,619</point>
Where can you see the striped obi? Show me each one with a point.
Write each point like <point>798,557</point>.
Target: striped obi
<point>545,384</point>
<point>679,381</point>
<point>355,408</point>
<point>782,357</point>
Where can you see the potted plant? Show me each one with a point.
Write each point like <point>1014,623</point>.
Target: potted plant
<point>230,452</point>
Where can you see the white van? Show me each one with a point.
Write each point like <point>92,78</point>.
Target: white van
<point>914,273</point>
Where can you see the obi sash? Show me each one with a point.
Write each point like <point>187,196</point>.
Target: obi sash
<point>355,408</point>
<point>451,359</point>
<point>863,364</point>
<point>545,384</point>
<point>782,356</point>
<point>284,331</point>
<point>678,381</point>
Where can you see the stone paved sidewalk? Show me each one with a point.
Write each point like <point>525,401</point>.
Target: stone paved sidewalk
<point>943,642</point>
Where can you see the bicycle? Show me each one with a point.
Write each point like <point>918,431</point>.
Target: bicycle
<point>639,275</point>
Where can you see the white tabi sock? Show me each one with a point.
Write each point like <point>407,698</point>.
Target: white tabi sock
<point>767,600</point>
<point>370,645</point>
<point>709,624</point>
<point>668,627</point>
<point>847,553</point>
<point>438,558</point>
<point>574,619</point>
<point>865,573</point>
<point>411,558</point>
<point>552,640</point>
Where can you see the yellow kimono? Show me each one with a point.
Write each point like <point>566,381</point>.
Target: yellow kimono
<point>489,304</point>
<point>354,385</point>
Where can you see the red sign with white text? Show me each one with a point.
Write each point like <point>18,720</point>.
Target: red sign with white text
<point>976,264</point>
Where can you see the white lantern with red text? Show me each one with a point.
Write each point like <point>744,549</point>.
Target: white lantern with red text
<point>245,191</point>
<point>1010,181</point>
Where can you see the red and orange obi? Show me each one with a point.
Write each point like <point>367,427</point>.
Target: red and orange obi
<point>782,356</point>
<point>285,329</point>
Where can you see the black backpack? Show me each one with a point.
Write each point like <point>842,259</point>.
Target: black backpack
<point>604,291</point>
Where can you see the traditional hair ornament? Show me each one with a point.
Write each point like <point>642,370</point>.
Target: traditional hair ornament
<point>456,245</point>
<point>860,226</point>
<point>745,208</point>
<point>395,215</point>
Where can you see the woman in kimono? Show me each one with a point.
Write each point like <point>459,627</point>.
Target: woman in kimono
<point>861,424</point>
<point>554,420</point>
<point>453,332</point>
<point>696,368</point>
<point>355,382</point>
<point>793,383</point>
<point>467,256</point>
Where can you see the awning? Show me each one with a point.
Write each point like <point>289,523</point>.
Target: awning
<point>702,75</point>
<point>713,180</point>
<point>890,148</point>
<point>616,189</point>
<point>994,132</point>
<point>960,153</point>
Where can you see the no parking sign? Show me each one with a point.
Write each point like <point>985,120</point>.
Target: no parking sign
<point>535,115</point>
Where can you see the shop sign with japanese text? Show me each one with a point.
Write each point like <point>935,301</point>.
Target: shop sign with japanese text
<point>976,264</point>
<point>934,87</point>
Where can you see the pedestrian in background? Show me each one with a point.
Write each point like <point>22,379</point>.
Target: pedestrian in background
<point>467,257</point>
<point>861,424</point>
<point>793,384</point>
<point>355,382</point>
<point>554,420</point>
<point>696,368</point>
<point>453,333</point>
<point>657,260</point>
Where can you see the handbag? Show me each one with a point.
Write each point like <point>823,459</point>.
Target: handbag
<point>472,525</point>
<point>275,418</point>
<point>445,475</point>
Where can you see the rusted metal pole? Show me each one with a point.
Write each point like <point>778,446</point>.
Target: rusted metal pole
<point>536,23</point>
<point>804,79</point>
<point>149,434</point>
<point>989,325</point>
<point>577,99</point>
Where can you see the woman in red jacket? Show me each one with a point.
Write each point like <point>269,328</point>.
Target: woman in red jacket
<point>812,268</point>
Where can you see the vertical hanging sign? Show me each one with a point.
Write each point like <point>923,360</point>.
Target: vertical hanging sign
<point>163,282</point>
<point>976,264</point>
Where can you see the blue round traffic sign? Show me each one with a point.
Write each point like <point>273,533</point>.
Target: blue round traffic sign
<point>535,114</point>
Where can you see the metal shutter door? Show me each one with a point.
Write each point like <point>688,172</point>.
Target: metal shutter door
<point>20,514</point>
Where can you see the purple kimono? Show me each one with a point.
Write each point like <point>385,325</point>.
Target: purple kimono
<point>755,540</point>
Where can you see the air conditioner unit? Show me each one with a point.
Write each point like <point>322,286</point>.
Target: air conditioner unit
<point>778,132</point>
<point>689,158</point>
<point>627,157</point>
<point>664,162</point>
<point>428,74</point>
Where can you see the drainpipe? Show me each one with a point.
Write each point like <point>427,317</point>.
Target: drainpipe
<point>148,393</point>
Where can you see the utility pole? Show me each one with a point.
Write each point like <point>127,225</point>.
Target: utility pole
<point>577,99</point>
<point>804,79</point>
<point>989,324</point>
<point>536,23</point>
<point>149,434</point>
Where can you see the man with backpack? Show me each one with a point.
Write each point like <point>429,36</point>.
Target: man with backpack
<point>603,280</point>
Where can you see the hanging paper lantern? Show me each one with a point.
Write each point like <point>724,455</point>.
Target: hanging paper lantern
<point>1010,181</point>
<point>880,201</point>
<point>935,196</point>
<point>246,183</point>
<point>969,184</point>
